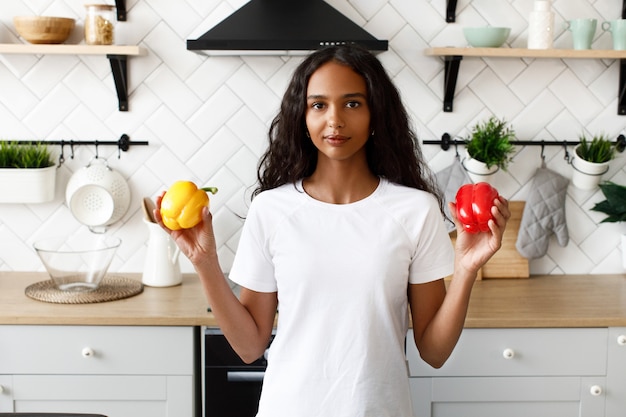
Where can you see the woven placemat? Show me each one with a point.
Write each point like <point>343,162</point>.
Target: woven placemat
<point>111,288</point>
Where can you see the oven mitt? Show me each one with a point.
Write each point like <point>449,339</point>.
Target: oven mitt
<point>544,214</point>
<point>449,180</point>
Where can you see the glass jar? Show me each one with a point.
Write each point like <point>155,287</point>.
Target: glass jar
<point>99,24</point>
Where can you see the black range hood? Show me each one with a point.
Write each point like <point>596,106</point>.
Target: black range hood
<point>277,27</point>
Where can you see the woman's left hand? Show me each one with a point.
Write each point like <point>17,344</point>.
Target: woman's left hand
<point>473,250</point>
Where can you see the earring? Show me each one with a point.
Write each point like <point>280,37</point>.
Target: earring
<point>373,131</point>
<point>307,134</point>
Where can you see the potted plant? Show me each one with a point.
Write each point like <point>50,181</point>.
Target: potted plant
<point>27,173</point>
<point>591,161</point>
<point>489,148</point>
<point>614,206</point>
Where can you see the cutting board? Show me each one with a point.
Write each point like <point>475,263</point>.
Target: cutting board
<point>507,262</point>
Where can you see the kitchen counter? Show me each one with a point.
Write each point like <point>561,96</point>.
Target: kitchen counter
<point>182,305</point>
<point>539,301</point>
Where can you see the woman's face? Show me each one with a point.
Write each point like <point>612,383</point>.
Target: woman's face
<point>337,114</point>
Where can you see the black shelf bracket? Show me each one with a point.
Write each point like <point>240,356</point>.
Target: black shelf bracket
<point>621,93</point>
<point>120,5</point>
<point>451,74</point>
<point>451,11</point>
<point>119,69</point>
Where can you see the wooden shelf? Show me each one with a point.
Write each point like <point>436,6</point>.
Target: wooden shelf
<point>117,55</point>
<point>453,55</point>
<point>526,53</point>
<point>63,49</point>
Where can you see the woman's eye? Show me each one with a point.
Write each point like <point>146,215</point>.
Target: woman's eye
<point>317,105</point>
<point>353,104</point>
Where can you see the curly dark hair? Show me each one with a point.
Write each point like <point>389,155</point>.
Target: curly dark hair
<point>393,152</point>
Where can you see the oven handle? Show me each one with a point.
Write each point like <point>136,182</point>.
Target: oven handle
<point>245,376</point>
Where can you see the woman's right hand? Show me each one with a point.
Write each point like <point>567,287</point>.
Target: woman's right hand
<point>198,242</point>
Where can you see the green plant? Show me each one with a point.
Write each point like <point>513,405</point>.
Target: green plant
<point>598,150</point>
<point>15,155</point>
<point>490,142</point>
<point>615,204</point>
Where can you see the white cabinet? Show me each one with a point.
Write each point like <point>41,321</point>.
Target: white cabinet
<point>119,371</point>
<point>616,378</point>
<point>515,372</point>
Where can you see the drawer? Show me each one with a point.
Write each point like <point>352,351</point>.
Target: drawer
<point>96,350</point>
<point>520,352</point>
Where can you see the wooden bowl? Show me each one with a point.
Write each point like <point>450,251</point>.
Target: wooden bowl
<point>44,29</point>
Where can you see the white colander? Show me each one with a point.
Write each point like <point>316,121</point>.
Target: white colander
<point>97,195</point>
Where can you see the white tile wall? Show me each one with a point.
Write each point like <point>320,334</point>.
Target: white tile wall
<point>206,118</point>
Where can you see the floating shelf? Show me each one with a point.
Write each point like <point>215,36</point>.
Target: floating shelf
<point>117,55</point>
<point>453,56</point>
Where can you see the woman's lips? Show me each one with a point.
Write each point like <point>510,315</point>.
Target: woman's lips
<point>336,139</point>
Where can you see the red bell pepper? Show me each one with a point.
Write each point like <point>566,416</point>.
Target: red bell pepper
<point>473,206</point>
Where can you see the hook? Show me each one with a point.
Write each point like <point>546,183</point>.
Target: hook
<point>72,149</point>
<point>96,143</point>
<point>543,155</point>
<point>456,149</point>
<point>566,156</point>
<point>61,156</point>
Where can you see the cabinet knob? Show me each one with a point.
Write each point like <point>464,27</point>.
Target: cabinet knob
<point>508,353</point>
<point>88,352</point>
<point>621,340</point>
<point>595,390</point>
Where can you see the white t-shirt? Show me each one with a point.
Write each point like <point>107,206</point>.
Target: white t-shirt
<point>341,273</point>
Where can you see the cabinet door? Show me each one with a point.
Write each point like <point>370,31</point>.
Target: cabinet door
<point>510,397</point>
<point>616,374</point>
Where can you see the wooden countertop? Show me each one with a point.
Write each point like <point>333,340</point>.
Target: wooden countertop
<point>539,301</point>
<point>182,305</point>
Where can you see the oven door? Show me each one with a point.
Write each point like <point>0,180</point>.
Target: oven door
<point>232,388</point>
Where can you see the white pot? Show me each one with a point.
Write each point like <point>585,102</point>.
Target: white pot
<point>477,170</point>
<point>624,251</point>
<point>587,175</point>
<point>27,185</point>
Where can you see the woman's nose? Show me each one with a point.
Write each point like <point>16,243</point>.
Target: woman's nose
<point>334,119</point>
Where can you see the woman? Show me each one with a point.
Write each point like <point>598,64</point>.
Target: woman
<point>345,232</point>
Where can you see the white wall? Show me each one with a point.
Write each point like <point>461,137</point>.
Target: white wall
<point>206,118</point>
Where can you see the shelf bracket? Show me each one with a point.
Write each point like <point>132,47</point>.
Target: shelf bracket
<point>451,11</point>
<point>120,5</point>
<point>451,73</point>
<point>621,94</point>
<point>119,69</point>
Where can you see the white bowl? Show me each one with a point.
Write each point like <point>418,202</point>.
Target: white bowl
<point>486,36</point>
<point>77,263</point>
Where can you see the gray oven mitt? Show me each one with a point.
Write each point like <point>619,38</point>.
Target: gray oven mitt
<point>544,214</point>
<point>449,180</point>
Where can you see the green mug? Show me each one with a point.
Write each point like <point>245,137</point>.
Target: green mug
<point>583,31</point>
<point>618,31</point>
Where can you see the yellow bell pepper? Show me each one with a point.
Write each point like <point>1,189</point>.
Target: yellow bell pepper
<point>182,204</point>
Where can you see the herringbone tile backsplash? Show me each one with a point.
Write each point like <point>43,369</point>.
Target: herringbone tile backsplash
<point>206,118</point>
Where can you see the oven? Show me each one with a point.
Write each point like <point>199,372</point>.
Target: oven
<point>231,387</point>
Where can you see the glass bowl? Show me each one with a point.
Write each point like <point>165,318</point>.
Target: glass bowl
<point>77,263</point>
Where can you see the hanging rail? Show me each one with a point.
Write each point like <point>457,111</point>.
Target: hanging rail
<point>123,144</point>
<point>446,141</point>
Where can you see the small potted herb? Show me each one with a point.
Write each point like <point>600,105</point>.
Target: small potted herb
<point>591,161</point>
<point>27,173</point>
<point>489,148</point>
<point>614,206</point>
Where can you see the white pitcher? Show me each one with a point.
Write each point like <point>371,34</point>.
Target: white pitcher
<point>161,268</point>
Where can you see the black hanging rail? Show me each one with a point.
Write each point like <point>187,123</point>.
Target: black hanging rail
<point>123,144</point>
<point>446,141</point>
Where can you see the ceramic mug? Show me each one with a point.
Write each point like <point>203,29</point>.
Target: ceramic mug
<point>618,30</point>
<point>583,31</point>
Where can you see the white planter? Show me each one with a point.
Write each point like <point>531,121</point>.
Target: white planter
<point>477,170</point>
<point>624,251</point>
<point>587,175</point>
<point>27,185</point>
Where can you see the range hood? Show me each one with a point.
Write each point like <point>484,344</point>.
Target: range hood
<point>283,27</point>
